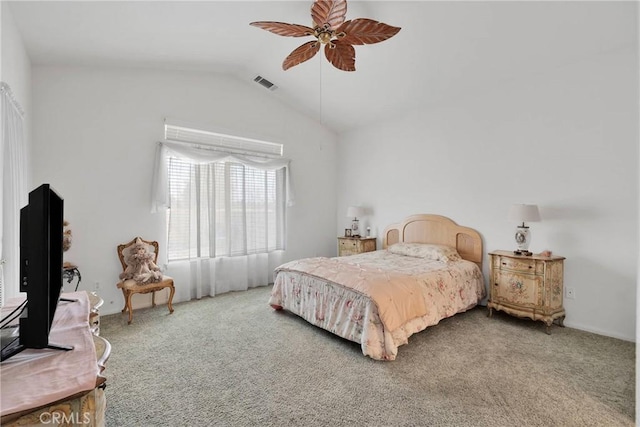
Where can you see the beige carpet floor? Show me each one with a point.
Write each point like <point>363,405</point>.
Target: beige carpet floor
<point>233,361</point>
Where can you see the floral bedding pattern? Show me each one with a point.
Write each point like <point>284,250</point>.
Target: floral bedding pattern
<point>446,288</point>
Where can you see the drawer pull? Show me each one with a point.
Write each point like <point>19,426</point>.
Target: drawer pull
<point>495,284</point>
<point>530,267</point>
<point>504,263</point>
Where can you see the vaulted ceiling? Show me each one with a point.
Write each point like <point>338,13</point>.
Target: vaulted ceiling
<point>444,50</point>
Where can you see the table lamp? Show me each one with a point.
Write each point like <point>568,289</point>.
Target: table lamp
<point>523,213</point>
<point>354,212</point>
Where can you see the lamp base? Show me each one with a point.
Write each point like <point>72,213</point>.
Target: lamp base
<point>523,238</point>
<point>523,253</point>
<point>354,228</point>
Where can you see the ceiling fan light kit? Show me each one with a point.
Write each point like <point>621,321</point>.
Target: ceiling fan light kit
<point>331,30</point>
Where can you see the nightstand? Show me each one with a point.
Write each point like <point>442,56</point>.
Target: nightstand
<point>355,245</point>
<point>527,286</point>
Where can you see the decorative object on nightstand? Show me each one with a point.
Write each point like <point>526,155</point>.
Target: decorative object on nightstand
<point>355,245</point>
<point>527,286</point>
<point>523,213</point>
<point>354,212</point>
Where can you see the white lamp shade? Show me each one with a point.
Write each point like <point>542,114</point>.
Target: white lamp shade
<point>524,213</point>
<point>354,211</point>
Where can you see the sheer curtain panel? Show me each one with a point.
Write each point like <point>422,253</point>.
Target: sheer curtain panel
<point>13,156</point>
<point>225,217</point>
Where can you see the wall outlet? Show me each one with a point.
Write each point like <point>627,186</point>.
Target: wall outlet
<point>97,286</point>
<point>570,293</point>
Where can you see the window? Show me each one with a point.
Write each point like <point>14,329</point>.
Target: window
<point>223,208</point>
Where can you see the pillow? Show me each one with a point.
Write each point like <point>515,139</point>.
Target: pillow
<point>426,250</point>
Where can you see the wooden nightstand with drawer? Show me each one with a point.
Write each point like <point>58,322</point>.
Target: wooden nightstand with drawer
<point>527,286</point>
<point>355,245</point>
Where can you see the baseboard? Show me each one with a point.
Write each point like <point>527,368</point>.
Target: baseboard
<point>598,331</point>
<point>581,327</point>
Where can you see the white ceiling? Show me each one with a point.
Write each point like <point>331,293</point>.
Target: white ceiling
<point>444,50</point>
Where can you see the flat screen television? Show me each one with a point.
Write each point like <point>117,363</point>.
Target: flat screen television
<point>41,230</point>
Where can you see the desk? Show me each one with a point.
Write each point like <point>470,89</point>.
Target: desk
<point>73,393</point>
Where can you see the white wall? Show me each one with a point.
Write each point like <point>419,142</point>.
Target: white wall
<point>16,66</point>
<point>94,138</point>
<point>15,70</point>
<point>565,139</point>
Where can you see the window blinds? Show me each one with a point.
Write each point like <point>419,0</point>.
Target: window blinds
<point>224,208</point>
<point>220,203</point>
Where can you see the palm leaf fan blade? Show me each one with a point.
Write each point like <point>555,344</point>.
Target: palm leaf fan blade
<point>283,29</point>
<point>366,31</point>
<point>329,12</point>
<point>341,55</point>
<point>301,54</point>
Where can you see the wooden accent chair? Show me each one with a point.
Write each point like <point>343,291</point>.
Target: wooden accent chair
<point>130,286</point>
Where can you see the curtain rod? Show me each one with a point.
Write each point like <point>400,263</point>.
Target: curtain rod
<point>6,89</point>
<point>205,146</point>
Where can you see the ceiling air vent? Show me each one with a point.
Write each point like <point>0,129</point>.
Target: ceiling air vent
<point>266,83</point>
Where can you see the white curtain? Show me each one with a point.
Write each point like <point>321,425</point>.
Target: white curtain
<point>211,276</point>
<point>13,157</point>
<point>160,190</point>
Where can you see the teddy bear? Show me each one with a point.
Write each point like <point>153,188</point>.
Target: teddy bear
<point>140,265</point>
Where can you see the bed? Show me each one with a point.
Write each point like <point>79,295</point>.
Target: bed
<point>429,269</point>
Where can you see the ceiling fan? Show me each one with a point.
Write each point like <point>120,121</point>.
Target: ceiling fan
<point>330,29</point>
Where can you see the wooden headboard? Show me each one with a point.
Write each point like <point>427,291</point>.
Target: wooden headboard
<point>436,229</point>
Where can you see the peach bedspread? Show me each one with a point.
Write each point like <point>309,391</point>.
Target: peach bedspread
<point>396,295</point>
<point>34,378</point>
<point>355,297</point>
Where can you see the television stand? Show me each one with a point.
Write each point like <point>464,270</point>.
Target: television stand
<point>37,388</point>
